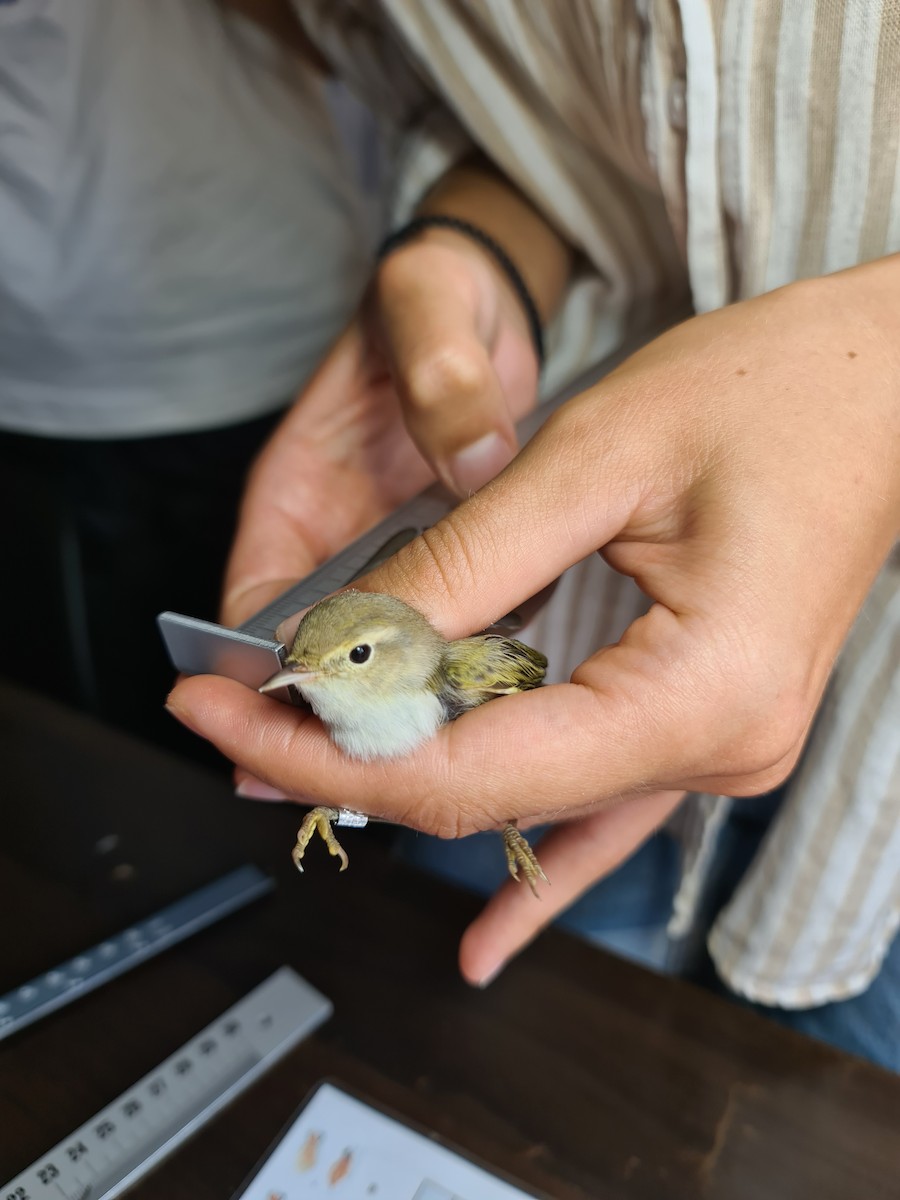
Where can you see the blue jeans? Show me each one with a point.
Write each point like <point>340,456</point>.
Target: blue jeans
<point>627,913</point>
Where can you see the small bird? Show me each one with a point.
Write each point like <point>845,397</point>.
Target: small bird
<point>382,680</point>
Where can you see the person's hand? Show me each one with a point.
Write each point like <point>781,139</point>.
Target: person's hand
<point>428,380</point>
<point>743,469</point>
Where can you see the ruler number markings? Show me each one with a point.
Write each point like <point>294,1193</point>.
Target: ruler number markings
<point>119,1143</point>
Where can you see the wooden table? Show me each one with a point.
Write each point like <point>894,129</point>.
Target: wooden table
<point>575,1073</point>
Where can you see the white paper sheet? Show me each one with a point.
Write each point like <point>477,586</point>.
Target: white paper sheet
<point>341,1149</point>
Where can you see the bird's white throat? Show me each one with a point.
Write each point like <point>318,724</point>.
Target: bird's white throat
<point>383,728</point>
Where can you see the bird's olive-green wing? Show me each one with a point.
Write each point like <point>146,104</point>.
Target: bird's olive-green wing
<point>479,668</point>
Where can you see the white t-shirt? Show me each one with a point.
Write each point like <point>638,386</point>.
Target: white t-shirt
<point>181,235</point>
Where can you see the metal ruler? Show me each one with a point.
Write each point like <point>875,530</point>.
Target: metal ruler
<point>251,653</point>
<point>123,1141</point>
<point>119,953</point>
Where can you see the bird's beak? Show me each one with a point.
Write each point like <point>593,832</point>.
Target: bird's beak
<point>287,677</point>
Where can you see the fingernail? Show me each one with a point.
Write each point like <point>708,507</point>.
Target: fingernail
<point>255,789</point>
<point>475,466</point>
<point>490,977</point>
<point>288,627</point>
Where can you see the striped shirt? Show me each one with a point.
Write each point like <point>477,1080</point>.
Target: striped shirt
<point>713,149</point>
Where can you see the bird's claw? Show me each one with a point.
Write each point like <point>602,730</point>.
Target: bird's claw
<point>319,820</point>
<point>520,856</point>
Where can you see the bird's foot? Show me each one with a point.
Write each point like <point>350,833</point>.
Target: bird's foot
<point>319,820</point>
<point>520,856</point>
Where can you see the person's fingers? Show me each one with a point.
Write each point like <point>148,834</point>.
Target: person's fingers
<point>574,856</point>
<point>286,629</point>
<point>641,717</point>
<point>442,361</point>
<point>683,700</point>
<point>271,551</point>
<point>441,393</point>
<point>288,749</point>
<point>565,495</point>
<point>249,788</point>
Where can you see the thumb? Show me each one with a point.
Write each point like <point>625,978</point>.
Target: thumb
<point>563,497</point>
<point>440,349</point>
<point>574,856</point>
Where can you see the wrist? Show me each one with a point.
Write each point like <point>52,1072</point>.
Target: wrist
<point>478,192</point>
<point>431,224</point>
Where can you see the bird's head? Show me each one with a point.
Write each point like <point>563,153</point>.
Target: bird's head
<point>363,647</point>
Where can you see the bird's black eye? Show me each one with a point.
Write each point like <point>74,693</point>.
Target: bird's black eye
<point>359,654</point>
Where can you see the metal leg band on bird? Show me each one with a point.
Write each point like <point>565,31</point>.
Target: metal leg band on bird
<point>519,854</point>
<point>382,680</point>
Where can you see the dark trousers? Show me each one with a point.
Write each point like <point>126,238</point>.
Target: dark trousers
<point>98,538</point>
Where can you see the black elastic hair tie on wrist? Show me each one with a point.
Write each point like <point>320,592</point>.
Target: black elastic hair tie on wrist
<point>436,221</point>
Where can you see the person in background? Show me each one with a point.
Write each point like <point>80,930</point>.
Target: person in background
<point>182,235</point>
<point>739,475</point>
